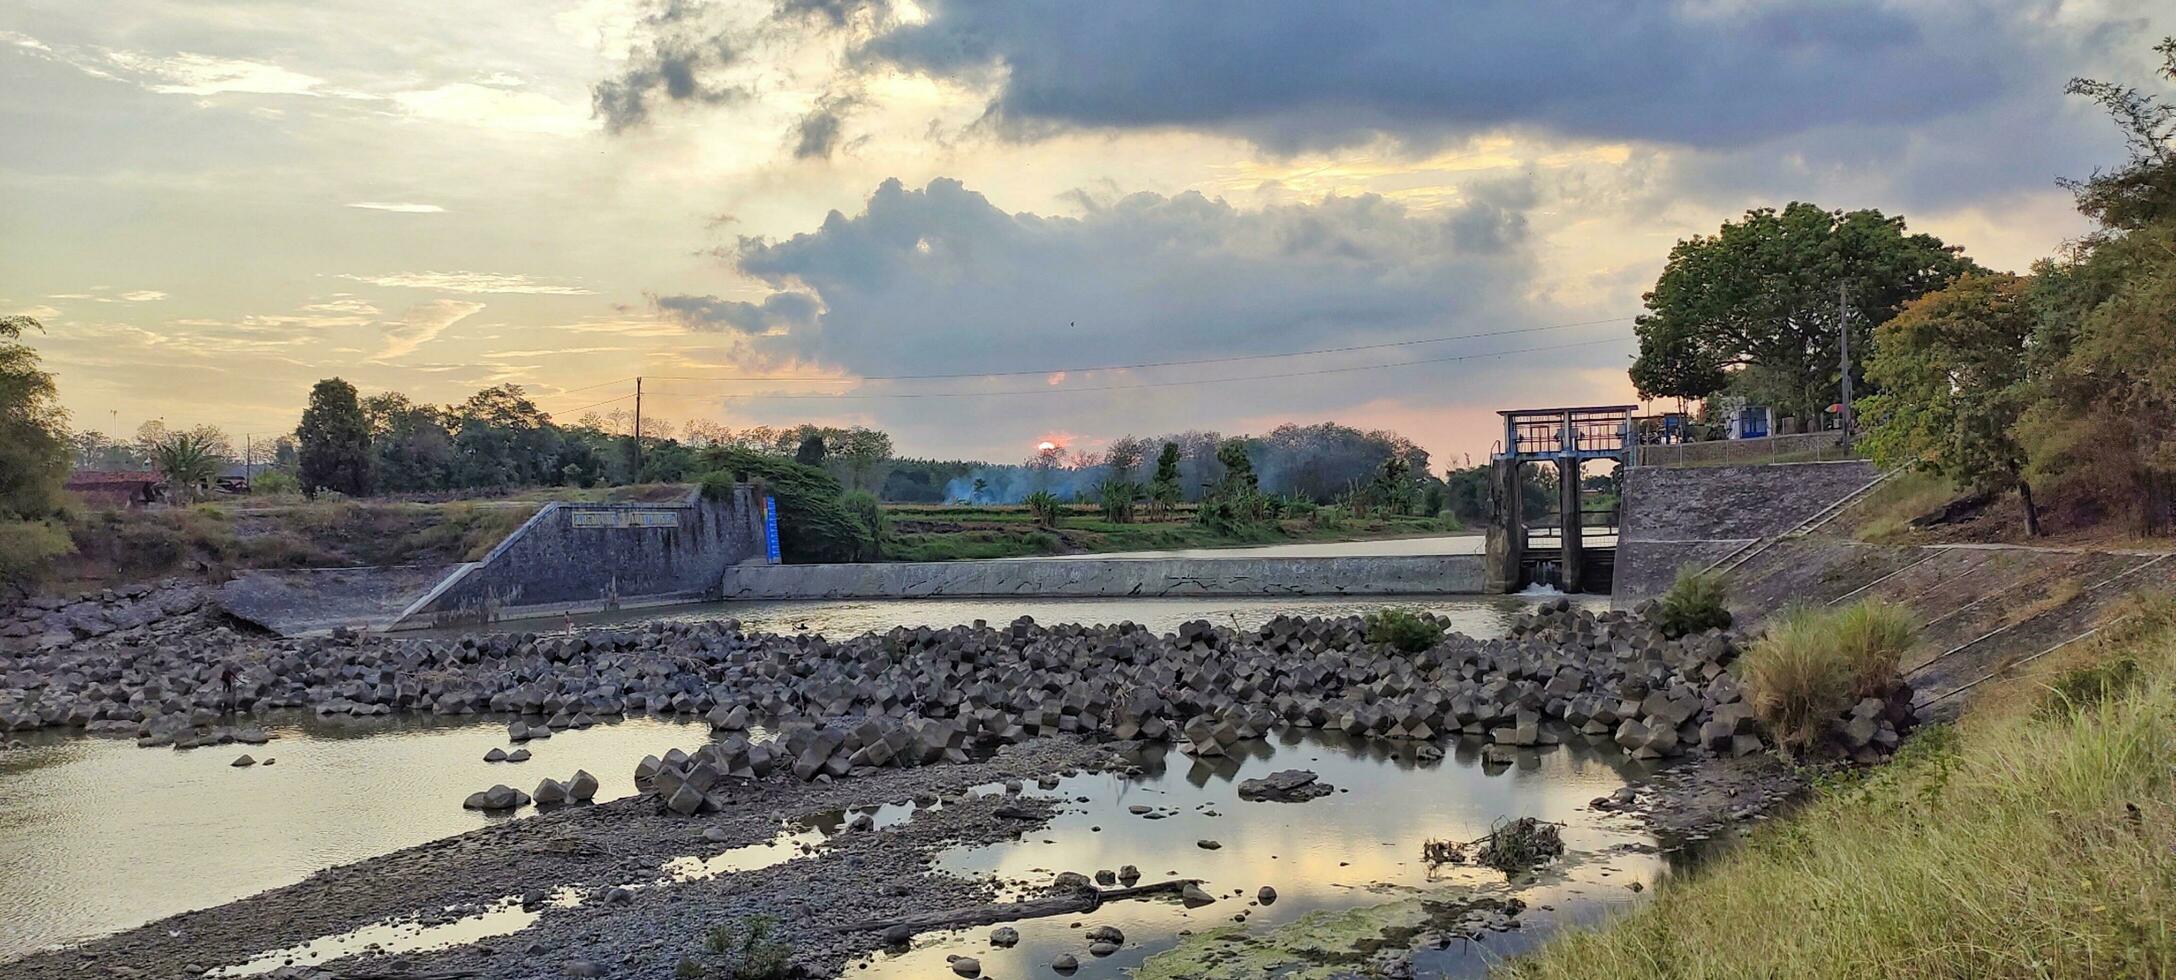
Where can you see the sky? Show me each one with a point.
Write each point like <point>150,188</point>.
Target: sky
<point>976,224</point>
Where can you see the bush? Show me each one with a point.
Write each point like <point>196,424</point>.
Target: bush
<point>717,485</point>
<point>1814,664</point>
<point>1870,637</point>
<point>1403,629</point>
<point>864,508</point>
<point>2082,688</point>
<point>25,547</point>
<point>1044,505</point>
<point>272,483</point>
<point>1693,604</point>
<point>742,952</point>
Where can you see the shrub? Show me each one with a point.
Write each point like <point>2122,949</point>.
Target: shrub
<point>718,485</point>
<point>25,547</point>
<point>1693,604</point>
<point>1044,505</point>
<point>1871,637</point>
<point>2081,688</point>
<point>743,952</point>
<point>271,483</point>
<point>1403,629</point>
<point>1813,664</point>
<point>864,508</point>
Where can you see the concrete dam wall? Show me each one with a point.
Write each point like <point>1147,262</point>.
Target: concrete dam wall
<point>1100,578</point>
<point>580,557</point>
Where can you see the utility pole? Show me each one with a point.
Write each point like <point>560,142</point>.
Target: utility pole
<point>1843,331</point>
<point>636,476</point>
<point>249,457</point>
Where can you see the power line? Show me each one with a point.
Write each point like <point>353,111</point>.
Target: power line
<point>1194,381</point>
<point>1153,364</point>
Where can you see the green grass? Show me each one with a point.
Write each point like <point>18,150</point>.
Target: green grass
<point>949,532</point>
<point>2023,843</point>
<point>1814,663</point>
<point>1695,603</point>
<point>1885,515</point>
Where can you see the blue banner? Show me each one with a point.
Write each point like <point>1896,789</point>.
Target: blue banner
<point>770,528</point>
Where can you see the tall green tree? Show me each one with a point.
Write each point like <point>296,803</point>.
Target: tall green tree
<point>811,451</point>
<point>34,448</point>
<point>334,440</point>
<point>411,448</point>
<point>2105,426</point>
<point>1757,303</point>
<point>1951,368</point>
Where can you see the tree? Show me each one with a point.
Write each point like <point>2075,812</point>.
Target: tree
<point>410,446</point>
<point>1757,303</point>
<point>334,440</point>
<point>811,451</point>
<point>1164,491</point>
<point>1125,456</point>
<point>1238,468</point>
<point>502,439</point>
<point>190,462</point>
<point>2105,424</point>
<point>34,448</point>
<point>864,451</point>
<point>1951,368</point>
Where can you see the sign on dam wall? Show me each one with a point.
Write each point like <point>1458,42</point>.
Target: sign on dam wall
<point>1106,578</point>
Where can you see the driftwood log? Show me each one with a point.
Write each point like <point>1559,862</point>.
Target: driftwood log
<point>1079,900</point>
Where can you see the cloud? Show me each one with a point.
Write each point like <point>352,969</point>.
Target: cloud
<point>818,132</point>
<point>1296,74</point>
<point>402,208</point>
<point>778,313</point>
<point>940,280</point>
<point>422,323</point>
<point>472,282</point>
<point>143,295</point>
<point>673,51</point>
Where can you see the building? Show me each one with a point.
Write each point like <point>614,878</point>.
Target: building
<point>117,488</point>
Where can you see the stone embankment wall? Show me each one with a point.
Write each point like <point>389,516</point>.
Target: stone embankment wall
<point>1678,517</point>
<point>579,557</point>
<point>1112,578</point>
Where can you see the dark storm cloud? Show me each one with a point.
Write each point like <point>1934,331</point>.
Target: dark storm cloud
<point>779,311</point>
<point>1299,74</point>
<point>674,53</point>
<point>834,13</point>
<point>940,279</point>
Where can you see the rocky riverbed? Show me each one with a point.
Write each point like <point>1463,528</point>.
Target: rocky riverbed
<point>804,723</point>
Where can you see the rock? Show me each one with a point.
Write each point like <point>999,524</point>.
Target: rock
<point>686,801</point>
<point>518,755</point>
<point>1105,934</point>
<point>967,966</point>
<point>1207,844</point>
<point>495,755</point>
<point>583,787</point>
<point>1005,937</point>
<point>1071,881</point>
<point>243,762</point>
<point>550,792</point>
<point>500,797</point>
<point>1193,897</point>
<point>584,968</point>
<point>1266,896</point>
<point>1065,963</point>
<point>1287,786</point>
<point>1102,949</point>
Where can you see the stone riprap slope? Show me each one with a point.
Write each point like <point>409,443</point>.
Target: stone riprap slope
<point>913,696</point>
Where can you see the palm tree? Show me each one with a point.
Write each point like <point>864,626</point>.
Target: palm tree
<point>190,462</point>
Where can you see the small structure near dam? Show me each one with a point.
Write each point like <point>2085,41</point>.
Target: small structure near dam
<point>1559,553</point>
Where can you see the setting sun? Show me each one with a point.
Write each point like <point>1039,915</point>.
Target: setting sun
<point>1045,446</point>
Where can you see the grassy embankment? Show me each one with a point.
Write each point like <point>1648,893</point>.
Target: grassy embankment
<point>2037,838</point>
<point>950,533</point>
<point>115,546</point>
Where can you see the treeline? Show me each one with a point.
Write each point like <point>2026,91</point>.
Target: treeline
<point>1318,463</point>
<point>2062,380</point>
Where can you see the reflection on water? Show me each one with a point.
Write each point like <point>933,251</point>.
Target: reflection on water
<point>1477,616</point>
<point>1442,544</point>
<point>1357,848</point>
<point>97,835</point>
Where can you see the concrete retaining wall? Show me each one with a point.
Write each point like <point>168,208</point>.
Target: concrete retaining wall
<point>1112,578</point>
<point>1677,517</point>
<point>583,557</point>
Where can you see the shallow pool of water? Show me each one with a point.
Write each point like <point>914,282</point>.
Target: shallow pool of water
<point>1356,849</point>
<point>97,835</point>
